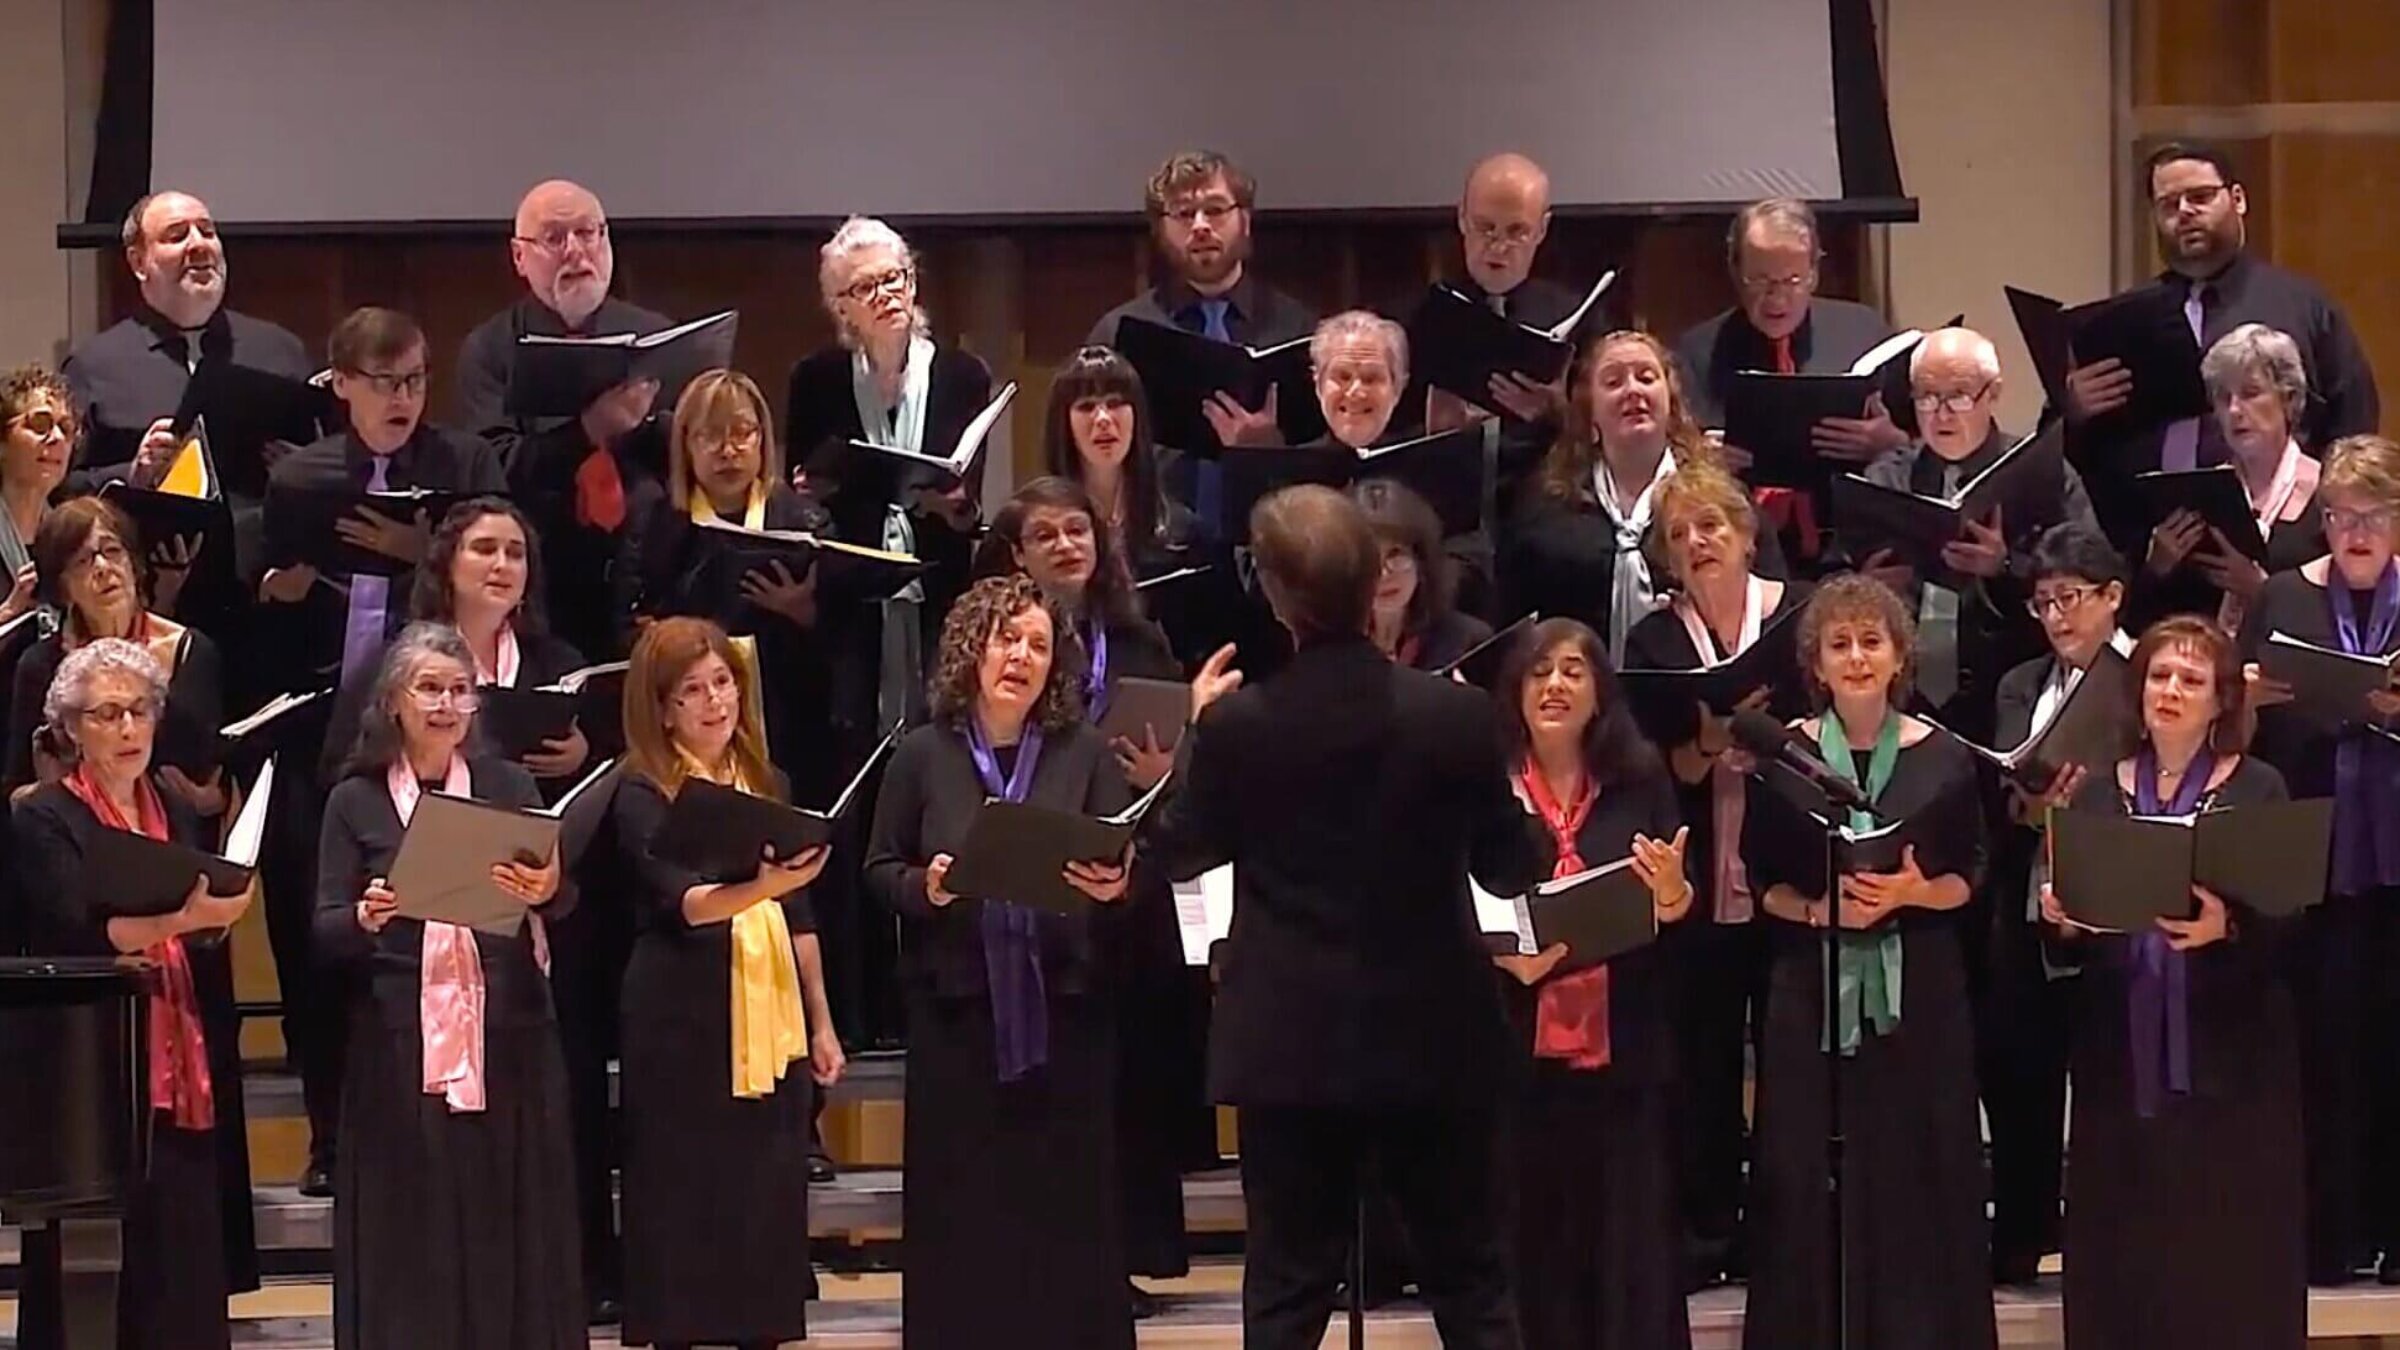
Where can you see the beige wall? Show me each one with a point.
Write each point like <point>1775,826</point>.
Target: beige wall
<point>2002,117</point>
<point>34,305</point>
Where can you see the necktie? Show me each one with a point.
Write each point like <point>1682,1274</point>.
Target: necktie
<point>1208,479</point>
<point>1212,319</point>
<point>1486,522</point>
<point>599,491</point>
<point>1784,364</point>
<point>370,597</point>
<point>2180,452</point>
<point>1937,626</point>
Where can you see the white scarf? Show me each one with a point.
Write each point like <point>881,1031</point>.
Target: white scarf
<point>1632,594</point>
<point>2282,489</point>
<point>1730,879</point>
<point>905,427</point>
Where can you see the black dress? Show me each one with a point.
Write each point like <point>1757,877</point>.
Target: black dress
<point>1590,1154</point>
<point>1558,559</point>
<point>455,1229</point>
<point>2186,1229</point>
<point>2338,954</point>
<point>183,1253</point>
<point>1720,984</point>
<point>1913,1184</point>
<point>1010,1229</point>
<point>716,1186</point>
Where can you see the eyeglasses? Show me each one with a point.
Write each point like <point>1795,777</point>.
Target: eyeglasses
<point>2340,520</point>
<point>556,238</point>
<point>116,714</point>
<point>1792,282</point>
<point>106,551</point>
<point>1930,402</point>
<point>2198,198</point>
<point>1512,235</point>
<point>723,689</point>
<point>2062,601</point>
<point>393,383</point>
<point>40,422</point>
<point>1192,213</point>
<point>460,697</point>
<point>1399,560</point>
<point>741,436</point>
<point>867,288</point>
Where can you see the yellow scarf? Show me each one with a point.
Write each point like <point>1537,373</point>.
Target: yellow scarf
<point>770,1024</point>
<point>754,517</point>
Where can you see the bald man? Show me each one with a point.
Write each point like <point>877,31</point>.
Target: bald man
<point>1976,602</point>
<point>570,474</point>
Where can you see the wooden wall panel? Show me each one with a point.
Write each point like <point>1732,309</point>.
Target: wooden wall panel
<point>2353,252</point>
<point>2199,53</point>
<point>2332,51</point>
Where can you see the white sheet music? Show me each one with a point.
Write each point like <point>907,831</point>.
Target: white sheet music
<point>1204,912</point>
<point>1496,915</point>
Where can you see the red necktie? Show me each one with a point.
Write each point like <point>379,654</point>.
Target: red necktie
<point>599,492</point>
<point>1784,365</point>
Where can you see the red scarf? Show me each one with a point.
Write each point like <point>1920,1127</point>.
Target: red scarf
<point>1570,1020</point>
<point>179,1079</point>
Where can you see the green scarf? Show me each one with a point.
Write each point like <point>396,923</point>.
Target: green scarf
<point>1867,965</point>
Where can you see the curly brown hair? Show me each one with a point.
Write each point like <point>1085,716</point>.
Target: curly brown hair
<point>1853,597</point>
<point>979,614</point>
<point>20,386</point>
<point>1566,472</point>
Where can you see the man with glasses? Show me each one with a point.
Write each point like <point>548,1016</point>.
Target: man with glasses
<point>568,473</point>
<point>2199,209</point>
<point>327,630</point>
<point>1199,206</point>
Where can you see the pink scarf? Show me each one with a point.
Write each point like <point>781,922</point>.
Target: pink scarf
<point>450,992</point>
<point>1729,881</point>
<point>507,660</point>
<point>179,1077</point>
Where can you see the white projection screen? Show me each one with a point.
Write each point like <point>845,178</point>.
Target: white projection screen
<point>355,111</point>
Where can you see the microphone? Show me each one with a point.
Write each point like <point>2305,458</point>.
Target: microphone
<point>1763,736</point>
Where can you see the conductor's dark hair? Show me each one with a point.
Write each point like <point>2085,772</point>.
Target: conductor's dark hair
<point>2081,552</point>
<point>1110,592</point>
<point>432,599</point>
<point>1318,561</point>
<point>1103,372</point>
<point>1614,750</point>
<point>371,334</point>
<point>1401,519</point>
<point>2199,151</point>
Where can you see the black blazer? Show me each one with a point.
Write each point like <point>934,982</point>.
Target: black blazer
<point>1558,558</point>
<point>930,795</point>
<point>195,705</point>
<point>1353,798</point>
<point>360,837</point>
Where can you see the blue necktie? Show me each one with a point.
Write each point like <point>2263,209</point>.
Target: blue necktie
<point>1208,478</point>
<point>370,597</point>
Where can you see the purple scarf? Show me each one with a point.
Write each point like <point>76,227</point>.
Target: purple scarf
<point>1012,953</point>
<point>2158,1006</point>
<point>1095,679</point>
<point>2366,768</point>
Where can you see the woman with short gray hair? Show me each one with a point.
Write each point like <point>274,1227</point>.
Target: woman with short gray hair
<point>102,714</point>
<point>2258,390</point>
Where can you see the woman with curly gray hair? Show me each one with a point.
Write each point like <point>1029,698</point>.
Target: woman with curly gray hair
<point>102,712</point>
<point>1011,1231</point>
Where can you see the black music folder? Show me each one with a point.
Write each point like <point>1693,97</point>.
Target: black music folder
<point>1158,707</point>
<point>1480,664</point>
<point>924,467</point>
<point>2145,328</point>
<point>1019,851</point>
<point>559,376</point>
<point>1460,344</point>
<point>1445,469</point>
<point>1799,819</point>
<point>2025,484</point>
<point>245,408</point>
<point>844,570</point>
<point>1599,914</point>
<point>518,721</point>
<point>2329,686</point>
<point>1666,703</point>
<point>141,877</point>
<point>443,871</point>
<point>2119,874</point>
<point>300,524</point>
<point>2214,494</point>
<point>723,833</point>
<point>188,501</point>
<point>2092,726</point>
<point>1773,416</point>
<point>1180,370</point>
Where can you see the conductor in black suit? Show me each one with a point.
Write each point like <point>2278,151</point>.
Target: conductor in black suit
<point>1357,1019</point>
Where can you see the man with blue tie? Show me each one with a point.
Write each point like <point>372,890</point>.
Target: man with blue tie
<point>1199,205</point>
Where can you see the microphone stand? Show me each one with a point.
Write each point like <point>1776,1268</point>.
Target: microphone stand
<point>1358,1273</point>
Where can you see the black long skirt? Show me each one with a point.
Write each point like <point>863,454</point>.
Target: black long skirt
<point>171,1291</point>
<point>455,1229</point>
<point>1009,1220</point>
<point>1913,1188</point>
<point>1597,1233</point>
<point>2187,1228</point>
<point>716,1187</point>
<point>2341,954</point>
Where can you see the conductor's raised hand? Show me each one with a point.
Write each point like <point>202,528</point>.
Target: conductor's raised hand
<point>1103,882</point>
<point>1216,679</point>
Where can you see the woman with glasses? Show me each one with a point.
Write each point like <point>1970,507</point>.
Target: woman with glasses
<point>2079,586</point>
<point>2184,1218</point>
<point>1415,619</point>
<point>184,1251</point>
<point>39,417</point>
<point>2347,599</point>
<point>87,566</point>
<point>454,1213</point>
<point>2258,390</point>
<point>726,1023</point>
